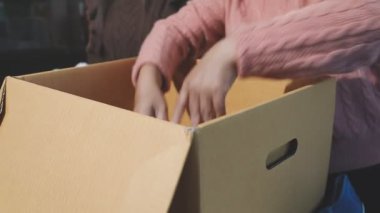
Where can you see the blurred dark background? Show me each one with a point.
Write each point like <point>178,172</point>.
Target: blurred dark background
<point>38,35</point>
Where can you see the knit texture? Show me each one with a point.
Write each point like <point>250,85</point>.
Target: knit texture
<point>325,38</point>
<point>290,39</point>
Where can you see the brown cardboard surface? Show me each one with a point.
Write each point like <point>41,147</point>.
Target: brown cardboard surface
<point>250,92</point>
<point>94,82</point>
<point>62,153</point>
<point>230,174</point>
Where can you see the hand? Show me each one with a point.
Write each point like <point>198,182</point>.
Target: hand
<point>149,97</point>
<point>205,88</point>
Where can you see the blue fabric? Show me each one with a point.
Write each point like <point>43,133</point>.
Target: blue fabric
<point>347,202</point>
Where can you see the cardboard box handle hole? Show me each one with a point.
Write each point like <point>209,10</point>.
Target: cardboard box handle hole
<point>281,154</point>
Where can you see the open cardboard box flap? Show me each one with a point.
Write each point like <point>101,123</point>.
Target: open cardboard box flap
<point>61,150</point>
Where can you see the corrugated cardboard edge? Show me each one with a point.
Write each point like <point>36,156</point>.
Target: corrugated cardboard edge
<point>186,198</point>
<point>2,101</point>
<point>26,76</point>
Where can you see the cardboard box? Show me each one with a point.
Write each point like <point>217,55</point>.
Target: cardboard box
<point>68,144</point>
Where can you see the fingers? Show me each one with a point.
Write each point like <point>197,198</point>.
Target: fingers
<point>202,107</point>
<point>207,110</point>
<point>149,111</point>
<point>218,101</point>
<point>161,112</point>
<point>180,106</point>
<point>204,103</point>
<point>153,105</point>
<point>194,109</point>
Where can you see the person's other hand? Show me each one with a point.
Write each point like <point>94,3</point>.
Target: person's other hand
<point>205,87</point>
<point>149,97</point>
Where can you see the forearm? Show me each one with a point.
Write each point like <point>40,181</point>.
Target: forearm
<point>185,35</point>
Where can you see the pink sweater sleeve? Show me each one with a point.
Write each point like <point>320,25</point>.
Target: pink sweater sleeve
<point>330,37</point>
<point>186,34</point>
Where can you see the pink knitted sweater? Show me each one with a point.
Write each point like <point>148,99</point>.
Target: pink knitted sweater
<point>289,39</point>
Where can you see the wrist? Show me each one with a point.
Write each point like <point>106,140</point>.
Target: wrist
<point>150,74</point>
<point>227,49</point>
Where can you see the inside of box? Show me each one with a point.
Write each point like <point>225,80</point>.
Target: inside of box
<point>110,83</point>
<point>244,94</point>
